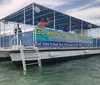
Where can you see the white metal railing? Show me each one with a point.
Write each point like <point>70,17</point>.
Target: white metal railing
<point>10,26</point>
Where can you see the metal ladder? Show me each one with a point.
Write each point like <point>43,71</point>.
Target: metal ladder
<point>24,59</point>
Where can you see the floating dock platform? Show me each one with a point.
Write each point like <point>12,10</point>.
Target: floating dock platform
<point>65,36</point>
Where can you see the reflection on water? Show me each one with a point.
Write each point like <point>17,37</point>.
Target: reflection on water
<point>75,72</point>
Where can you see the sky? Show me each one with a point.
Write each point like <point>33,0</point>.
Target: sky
<point>88,10</point>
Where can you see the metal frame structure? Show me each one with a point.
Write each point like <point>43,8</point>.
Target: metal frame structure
<point>29,16</point>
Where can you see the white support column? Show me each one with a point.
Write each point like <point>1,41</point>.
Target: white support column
<point>81,27</point>
<point>4,27</point>
<point>17,35</point>
<point>97,32</point>
<point>14,36</point>
<point>88,32</point>
<point>96,42</point>
<point>97,37</point>
<point>4,34</point>
<point>33,14</point>
<point>70,23</point>
<point>33,24</point>
<point>10,39</point>
<point>90,26</point>
<point>24,21</point>
<point>0,34</point>
<point>54,19</point>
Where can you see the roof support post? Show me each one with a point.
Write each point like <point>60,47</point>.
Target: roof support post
<point>34,30</point>
<point>90,26</point>
<point>17,35</point>
<point>24,20</point>
<point>97,37</point>
<point>81,27</point>
<point>88,32</point>
<point>70,23</point>
<point>0,34</point>
<point>97,32</point>
<point>4,33</point>
<point>96,42</point>
<point>4,27</point>
<point>33,14</point>
<point>54,20</point>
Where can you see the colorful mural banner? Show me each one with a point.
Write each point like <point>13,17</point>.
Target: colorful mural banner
<point>51,37</point>
<point>60,36</point>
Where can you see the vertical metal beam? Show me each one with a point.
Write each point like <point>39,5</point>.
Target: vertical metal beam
<point>33,14</point>
<point>10,39</point>
<point>90,26</point>
<point>17,34</point>
<point>97,37</point>
<point>33,24</point>
<point>24,20</point>
<point>4,34</point>
<point>97,32</point>
<point>81,27</point>
<point>96,42</point>
<point>54,19</point>
<point>14,35</point>
<point>0,34</point>
<point>70,23</point>
<point>4,27</point>
<point>88,32</point>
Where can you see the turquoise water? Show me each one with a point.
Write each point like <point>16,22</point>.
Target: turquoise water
<point>75,72</point>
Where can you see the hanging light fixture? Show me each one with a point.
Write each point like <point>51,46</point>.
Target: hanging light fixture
<point>37,9</point>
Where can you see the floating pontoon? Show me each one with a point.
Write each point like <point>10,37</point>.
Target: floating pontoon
<point>51,42</point>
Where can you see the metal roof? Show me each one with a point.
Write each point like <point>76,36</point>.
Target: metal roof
<point>29,16</point>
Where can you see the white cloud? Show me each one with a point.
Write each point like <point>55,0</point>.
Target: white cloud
<point>88,12</point>
<point>10,6</point>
